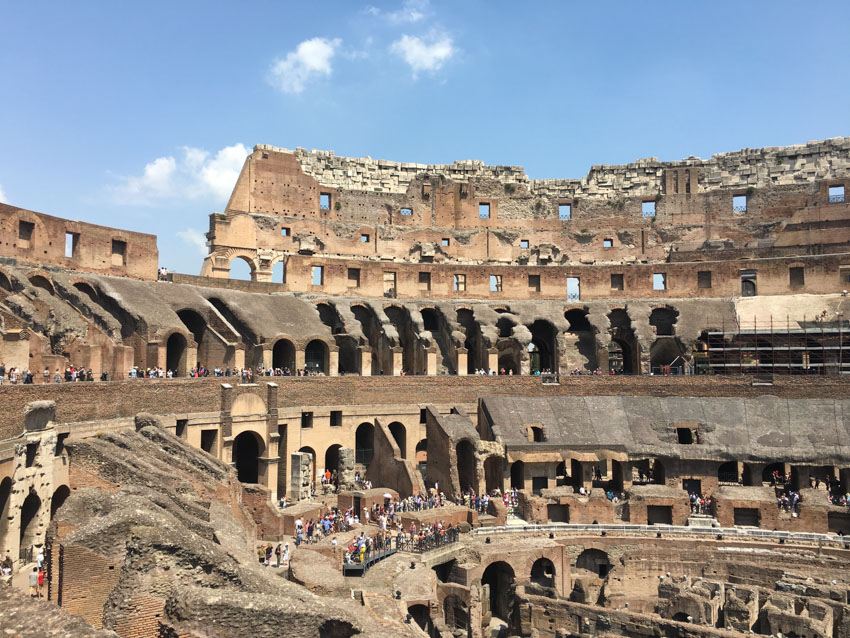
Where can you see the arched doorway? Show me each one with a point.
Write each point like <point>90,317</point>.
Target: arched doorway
<point>518,475</point>
<point>466,466</point>
<point>475,344</point>
<point>5,493</point>
<point>544,352</point>
<point>543,572</point>
<point>247,448</point>
<point>667,351</point>
<point>332,458</point>
<point>595,561</point>
<point>580,346</point>
<point>197,325</point>
<point>364,443</point>
<point>42,282</point>
<point>175,354</point>
<point>29,520</point>
<point>62,492</point>
<point>408,340</point>
<point>316,356</point>
<point>283,355</point>
<point>5,283</point>
<point>422,451</point>
<point>727,473</point>
<point>313,461</point>
<point>623,352</point>
<point>500,577</point>
<point>659,476</point>
<point>349,356</point>
<point>422,616</point>
<point>493,473</point>
<point>400,435</point>
<point>382,356</point>
<point>434,321</point>
<point>241,268</point>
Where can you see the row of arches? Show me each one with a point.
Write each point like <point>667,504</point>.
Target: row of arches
<point>28,526</point>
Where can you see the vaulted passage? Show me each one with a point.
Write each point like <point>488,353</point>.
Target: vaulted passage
<point>349,356</point>
<point>5,493</point>
<point>283,355</point>
<point>197,325</point>
<point>412,357</point>
<point>246,454</point>
<point>543,573</point>
<point>475,344</point>
<point>466,466</point>
<point>316,356</point>
<point>175,354</point>
<point>623,351</point>
<point>29,520</point>
<point>332,457</point>
<point>543,347</point>
<point>62,492</point>
<point>435,322</point>
<point>580,346</point>
<point>382,356</point>
<point>364,443</point>
<point>500,577</point>
<point>400,435</point>
<point>249,339</point>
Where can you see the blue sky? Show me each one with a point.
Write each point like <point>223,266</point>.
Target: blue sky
<point>139,115</point>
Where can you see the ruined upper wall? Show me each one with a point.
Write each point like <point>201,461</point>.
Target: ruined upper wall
<point>771,166</point>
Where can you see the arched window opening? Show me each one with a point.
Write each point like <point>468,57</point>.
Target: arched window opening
<point>332,458</point>
<point>474,342</point>
<point>664,320</point>
<point>175,354</point>
<point>62,492</point>
<point>493,473</point>
<point>241,268</point>
<point>330,317</point>
<point>595,561</point>
<point>5,282</point>
<point>505,326</point>
<point>279,273</point>
<point>537,435</point>
<point>313,461</point>
<point>400,435</point>
<point>422,451</point>
<point>543,347</point>
<point>316,356</point>
<point>364,443</point>
<point>247,448</point>
<point>197,325</point>
<point>543,572</point>
<point>29,521</point>
<point>466,470</point>
<point>518,475</point>
<point>623,354</point>
<point>580,341</point>
<point>500,577</point>
<point>727,473</point>
<point>283,355</point>
<point>349,356</point>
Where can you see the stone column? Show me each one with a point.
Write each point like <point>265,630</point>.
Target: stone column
<point>462,362</point>
<point>268,357</point>
<point>300,359</point>
<point>398,359</point>
<point>239,358</point>
<point>333,363</point>
<point>493,359</point>
<point>365,361</point>
<point>431,363</point>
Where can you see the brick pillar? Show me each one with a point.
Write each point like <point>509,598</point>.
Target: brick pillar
<point>239,358</point>
<point>431,363</point>
<point>300,359</point>
<point>226,420</point>
<point>493,359</point>
<point>462,361</point>
<point>397,361</point>
<point>365,361</point>
<point>268,359</point>
<point>333,363</point>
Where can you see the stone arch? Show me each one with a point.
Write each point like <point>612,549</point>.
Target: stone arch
<point>283,354</point>
<point>623,350</point>
<point>543,572</point>
<point>59,496</point>
<point>493,473</point>
<point>313,461</point>
<point>580,340</point>
<point>727,472</point>
<point>87,289</point>
<point>332,457</point>
<point>43,282</point>
<point>466,470</point>
<point>197,325</point>
<point>595,561</point>
<point>422,451</point>
<point>5,503</point>
<point>349,356</point>
<point>316,356</point>
<point>399,317</point>
<point>455,613</point>
<point>767,472</point>
<point>364,443</point>
<point>5,282</point>
<point>543,346</point>
<point>518,475</point>
<point>663,319</point>
<point>435,322</point>
<point>666,351</point>
<point>175,354</point>
<point>382,356</point>
<point>30,511</point>
<point>475,343</point>
<point>505,326</point>
<point>499,575</point>
<point>510,355</point>
<point>248,446</point>
<point>399,433</point>
<point>329,316</point>
<point>421,615</point>
<point>239,271</point>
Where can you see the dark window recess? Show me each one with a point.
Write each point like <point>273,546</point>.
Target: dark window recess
<point>32,450</point>
<point>208,440</point>
<point>685,436</point>
<point>354,277</point>
<point>425,281</point>
<point>306,419</point>
<point>539,483</point>
<point>60,444</point>
<point>180,430</point>
<point>704,279</point>
<point>336,418</point>
<point>25,230</point>
<point>534,282</point>
<point>423,415</point>
<point>797,276</point>
<point>617,282</point>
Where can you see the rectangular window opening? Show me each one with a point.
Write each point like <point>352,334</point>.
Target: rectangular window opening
<point>353,277</point>
<point>364,238</point>
<point>336,418</point>
<point>460,283</point>
<point>425,281</point>
<point>389,284</point>
<point>573,289</point>
<point>534,282</point>
<point>617,282</point>
<point>25,230</point>
<point>71,240</point>
<point>685,436</point>
<point>495,283</point>
<point>284,232</point>
<point>445,242</point>
<point>659,281</point>
<point>208,438</point>
<point>836,194</point>
<point>565,211</point>
<point>32,450</point>
<point>180,428</point>
<point>407,212</point>
<point>306,419</point>
<point>423,415</point>
<point>119,252</point>
<point>324,201</point>
<point>647,209</point>
<point>739,203</point>
<point>523,243</point>
<point>797,276</point>
<point>607,243</point>
<point>318,275</point>
<point>484,210</point>
<point>704,279</point>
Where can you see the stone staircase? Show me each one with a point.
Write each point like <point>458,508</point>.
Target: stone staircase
<point>702,520</point>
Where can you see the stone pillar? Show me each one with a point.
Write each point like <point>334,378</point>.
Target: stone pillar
<point>300,475</point>
<point>525,364</point>
<point>398,359</point>
<point>268,357</point>
<point>345,468</point>
<point>300,360</point>
<point>333,363</point>
<point>493,359</point>
<point>191,359</point>
<point>365,361</point>
<point>462,362</point>
<point>239,358</point>
<point>431,363</point>
<point>226,405</point>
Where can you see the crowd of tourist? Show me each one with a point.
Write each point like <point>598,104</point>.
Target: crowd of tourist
<point>701,504</point>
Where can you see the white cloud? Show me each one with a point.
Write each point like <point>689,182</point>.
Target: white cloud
<point>311,59</point>
<point>410,11</point>
<point>194,238</point>
<point>3,196</point>
<point>196,174</point>
<point>424,54</point>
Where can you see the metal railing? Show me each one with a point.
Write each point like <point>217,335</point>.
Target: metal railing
<point>836,199</point>
<point>426,544</point>
<point>739,209</point>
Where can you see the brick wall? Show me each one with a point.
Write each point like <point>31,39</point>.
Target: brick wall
<point>100,401</point>
<point>87,580</point>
